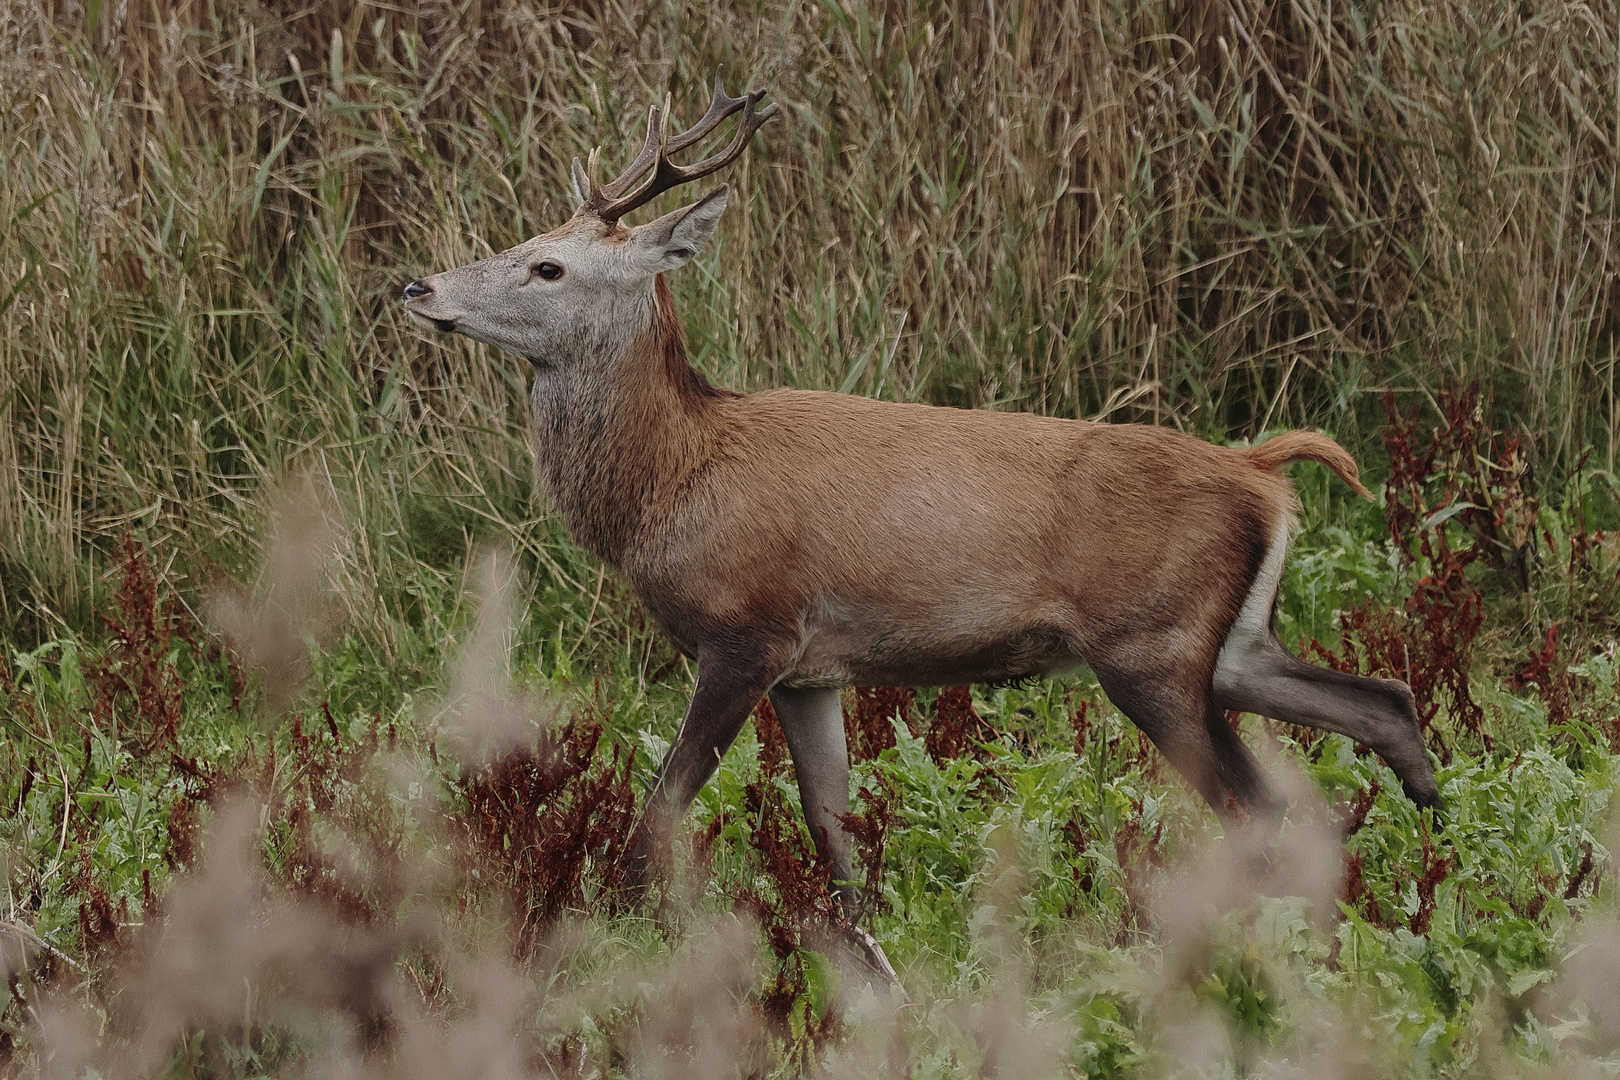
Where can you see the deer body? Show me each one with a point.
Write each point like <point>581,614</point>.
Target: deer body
<point>905,544</point>
<point>793,542</point>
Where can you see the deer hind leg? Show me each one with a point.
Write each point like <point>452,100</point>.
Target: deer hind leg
<point>1256,674</point>
<point>813,721</point>
<point>1173,705</point>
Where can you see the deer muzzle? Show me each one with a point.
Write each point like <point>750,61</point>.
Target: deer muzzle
<point>418,292</point>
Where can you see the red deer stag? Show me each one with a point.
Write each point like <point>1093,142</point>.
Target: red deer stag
<point>793,543</point>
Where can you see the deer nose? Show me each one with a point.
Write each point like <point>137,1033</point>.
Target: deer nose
<point>416,289</point>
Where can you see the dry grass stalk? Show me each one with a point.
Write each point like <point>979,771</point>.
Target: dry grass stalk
<point>1227,216</point>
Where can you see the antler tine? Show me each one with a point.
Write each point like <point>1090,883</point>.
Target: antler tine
<point>751,122</point>
<point>719,108</point>
<point>650,150</point>
<point>667,174</point>
<point>582,183</point>
<point>612,201</point>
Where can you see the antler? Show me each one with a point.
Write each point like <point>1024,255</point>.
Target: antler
<point>610,202</point>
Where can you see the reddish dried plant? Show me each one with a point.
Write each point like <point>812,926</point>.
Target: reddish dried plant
<point>184,827</point>
<point>137,686</point>
<point>1354,890</point>
<point>1548,885</point>
<point>1358,895</point>
<point>1355,893</point>
<point>1467,475</point>
<point>1140,855</point>
<point>799,873</point>
<point>1547,669</point>
<point>201,786</point>
<point>543,820</point>
<point>869,726</point>
<point>869,826</point>
<point>325,770</point>
<point>1353,815</point>
<point>1080,721</point>
<point>1435,869</point>
<point>100,920</point>
<point>704,841</point>
<point>1582,872</point>
<point>1590,591</point>
<point>796,906</point>
<point>324,780</point>
<point>774,760</point>
<point>957,729</point>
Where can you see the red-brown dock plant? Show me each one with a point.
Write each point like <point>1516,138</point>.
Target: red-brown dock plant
<point>547,821</point>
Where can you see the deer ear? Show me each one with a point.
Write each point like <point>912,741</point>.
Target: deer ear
<point>680,234</point>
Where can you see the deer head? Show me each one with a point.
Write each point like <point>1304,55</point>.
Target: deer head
<point>586,288</point>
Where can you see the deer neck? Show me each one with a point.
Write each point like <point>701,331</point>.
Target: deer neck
<point>618,433</point>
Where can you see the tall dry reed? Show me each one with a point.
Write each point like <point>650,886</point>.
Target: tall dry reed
<point>1225,215</point>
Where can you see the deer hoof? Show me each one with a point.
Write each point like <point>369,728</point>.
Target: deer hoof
<point>871,954</point>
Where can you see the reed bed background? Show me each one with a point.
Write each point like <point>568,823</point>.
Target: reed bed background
<point>1229,216</point>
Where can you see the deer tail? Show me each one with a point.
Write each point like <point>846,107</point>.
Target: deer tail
<point>1292,446</point>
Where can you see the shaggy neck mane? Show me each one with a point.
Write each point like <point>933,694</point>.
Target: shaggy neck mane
<point>667,344</point>
<point>620,436</point>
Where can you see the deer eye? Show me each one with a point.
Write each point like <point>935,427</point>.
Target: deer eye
<point>548,270</point>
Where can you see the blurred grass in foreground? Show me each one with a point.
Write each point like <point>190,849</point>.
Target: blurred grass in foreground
<point>341,885</point>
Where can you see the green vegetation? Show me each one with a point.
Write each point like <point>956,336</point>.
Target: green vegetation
<point>1224,217</point>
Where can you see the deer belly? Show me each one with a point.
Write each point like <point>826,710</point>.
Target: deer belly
<point>854,647</point>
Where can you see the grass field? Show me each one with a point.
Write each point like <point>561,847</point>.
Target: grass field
<point>321,739</point>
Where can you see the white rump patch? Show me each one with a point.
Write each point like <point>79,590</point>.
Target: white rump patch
<point>1253,626</point>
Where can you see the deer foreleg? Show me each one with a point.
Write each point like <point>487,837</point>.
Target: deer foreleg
<point>813,721</point>
<point>727,691</point>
